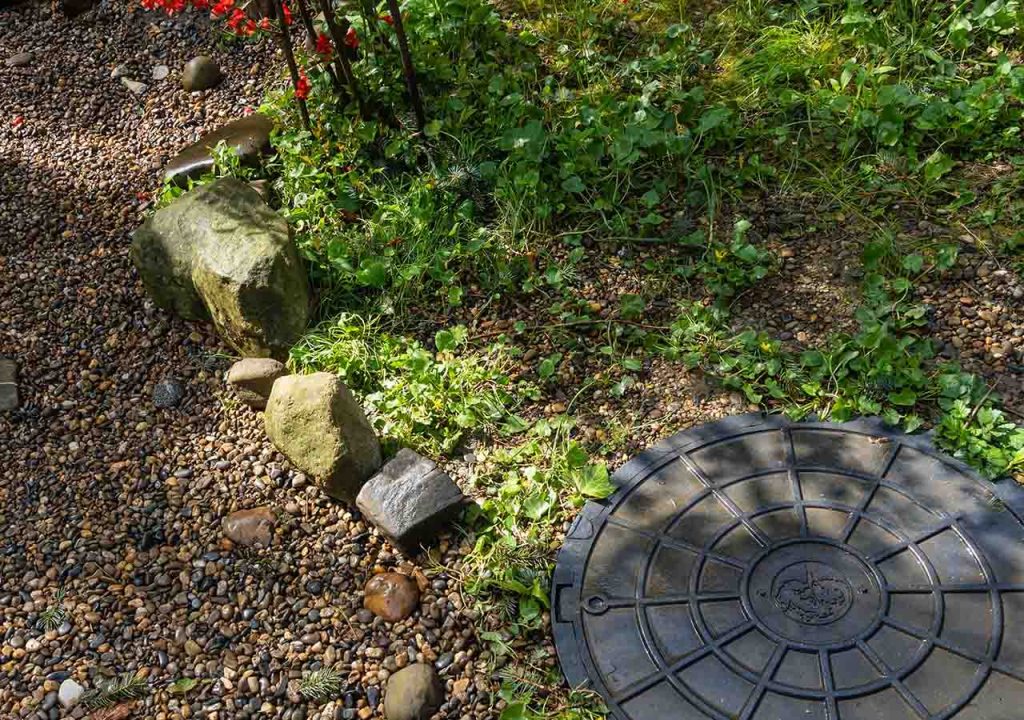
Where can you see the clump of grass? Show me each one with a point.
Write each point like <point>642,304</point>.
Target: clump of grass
<point>127,686</point>
<point>321,685</point>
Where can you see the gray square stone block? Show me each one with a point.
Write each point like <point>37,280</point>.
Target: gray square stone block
<point>410,501</point>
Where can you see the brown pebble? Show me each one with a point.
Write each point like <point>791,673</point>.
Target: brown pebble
<point>391,596</point>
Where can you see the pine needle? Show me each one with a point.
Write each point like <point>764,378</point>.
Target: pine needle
<point>128,686</point>
<point>321,685</point>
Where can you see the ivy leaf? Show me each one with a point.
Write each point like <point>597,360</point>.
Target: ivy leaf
<point>594,482</point>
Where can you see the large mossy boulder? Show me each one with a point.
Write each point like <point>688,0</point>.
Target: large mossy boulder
<point>318,425</point>
<point>219,251</point>
<point>249,137</point>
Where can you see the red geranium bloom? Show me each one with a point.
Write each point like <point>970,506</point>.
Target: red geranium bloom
<point>302,86</point>
<point>386,17</point>
<point>351,38</point>
<point>150,4</point>
<point>324,46</point>
<point>201,4</point>
<point>265,23</point>
<point>286,13</point>
<point>173,6</point>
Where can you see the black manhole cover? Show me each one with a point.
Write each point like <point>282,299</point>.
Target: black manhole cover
<point>756,568</point>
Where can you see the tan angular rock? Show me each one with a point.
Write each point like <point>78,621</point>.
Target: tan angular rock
<point>320,427</point>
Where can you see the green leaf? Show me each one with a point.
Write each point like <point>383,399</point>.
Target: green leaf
<point>536,506</point>
<point>594,482</point>
<point>713,118</point>
<point>444,340</point>
<point>631,306</point>
<point>913,263</point>
<point>182,686</point>
<point>573,184</point>
<point>904,398</point>
<point>516,711</point>
<point>432,129</point>
<point>372,272</point>
<point>576,456</point>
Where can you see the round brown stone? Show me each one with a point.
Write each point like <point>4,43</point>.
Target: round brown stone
<point>391,596</point>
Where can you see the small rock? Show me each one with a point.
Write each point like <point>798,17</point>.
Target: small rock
<point>134,85</point>
<point>8,385</point>
<point>251,527</point>
<point>410,500</point>
<point>413,693</point>
<point>318,425</point>
<point>168,393</point>
<point>253,378</point>
<point>160,72</point>
<point>69,693</point>
<point>391,596</point>
<point>118,72</point>
<point>20,59</point>
<point>201,73</point>
<point>249,136</point>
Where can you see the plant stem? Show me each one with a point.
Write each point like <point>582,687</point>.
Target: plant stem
<point>307,22</point>
<point>410,71</point>
<point>338,36</point>
<point>289,56</point>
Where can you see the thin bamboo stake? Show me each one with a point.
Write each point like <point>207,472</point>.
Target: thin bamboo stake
<point>410,71</point>
<point>338,35</point>
<point>289,56</point>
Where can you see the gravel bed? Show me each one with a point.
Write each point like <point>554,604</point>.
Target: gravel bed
<point>117,501</point>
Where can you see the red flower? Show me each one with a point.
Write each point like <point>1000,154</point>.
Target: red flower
<point>221,8</point>
<point>173,6</point>
<point>286,13</point>
<point>324,46</point>
<point>386,17</point>
<point>302,86</point>
<point>236,20</point>
<point>351,38</point>
<point>150,4</point>
<point>265,23</point>
<point>201,4</point>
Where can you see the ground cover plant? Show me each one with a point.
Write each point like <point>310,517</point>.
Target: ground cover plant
<point>586,203</point>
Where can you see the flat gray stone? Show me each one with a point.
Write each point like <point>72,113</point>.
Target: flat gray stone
<point>253,378</point>
<point>8,371</point>
<point>8,385</point>
<point>20,59</point>
<point>8,397</point>
<point>410,500</point>
<point>250,527</point>
<point>249,136</point>
<point>160,72</point>
<point>134,85</point>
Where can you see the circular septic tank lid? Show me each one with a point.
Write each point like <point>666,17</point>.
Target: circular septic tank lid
<point>761,569</point>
